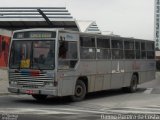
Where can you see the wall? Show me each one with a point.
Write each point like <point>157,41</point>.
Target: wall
<point>5,38</point>
<point>4,50</point>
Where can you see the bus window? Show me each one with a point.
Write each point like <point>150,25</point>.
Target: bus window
<point>143,50</point>
<point>87,50</point>
<point>37,55</point>
<point>150,46</point>
<point>117,54</point>
<point>143,46</point>
<point>63,49</point>
<point>87,41</point>
<point>20,54</point>
<point>143,54</point>
<point>150,50</point>
<point>68,56</point>
<point>103,48</point>
<point>88,53</point>
<point>103,43</point>
<point>129,45</point>
<point>117,49</point>
<point>129,49</point>
<point>43,54</point>
<point>150,54</point>
<point>137,50</point>
<point>117,44</point>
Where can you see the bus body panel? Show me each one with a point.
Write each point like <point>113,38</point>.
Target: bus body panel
<point>100,77</point>
<point>104,72</point>
<point>117,73</point>
<point>65,79</point>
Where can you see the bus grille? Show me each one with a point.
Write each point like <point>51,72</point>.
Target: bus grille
<point>28,81</point>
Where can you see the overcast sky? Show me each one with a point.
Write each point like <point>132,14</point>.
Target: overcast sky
<point>128,18</point>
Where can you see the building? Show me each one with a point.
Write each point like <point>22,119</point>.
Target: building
<point>5,36</point>
<point>157,25</point>
<point>88,26</point>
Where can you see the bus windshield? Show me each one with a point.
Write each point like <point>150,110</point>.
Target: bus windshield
<point>37,54</point>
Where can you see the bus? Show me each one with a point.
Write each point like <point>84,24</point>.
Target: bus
<point>58,62</point>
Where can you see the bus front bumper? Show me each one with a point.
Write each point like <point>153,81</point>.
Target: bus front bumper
<point>32,91</point>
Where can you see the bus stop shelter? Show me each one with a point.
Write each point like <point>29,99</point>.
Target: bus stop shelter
<point>40,17</point>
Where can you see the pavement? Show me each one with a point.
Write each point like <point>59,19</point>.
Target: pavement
<point>152,86</point>
<point>4,87</point>
<point>3,81</point>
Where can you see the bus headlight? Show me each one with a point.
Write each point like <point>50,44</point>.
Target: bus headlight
<point>13,82</point>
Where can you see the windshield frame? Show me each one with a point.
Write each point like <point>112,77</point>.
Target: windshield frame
<point>32,51</point>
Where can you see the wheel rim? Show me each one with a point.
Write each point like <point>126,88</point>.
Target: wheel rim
<point>79,91</point>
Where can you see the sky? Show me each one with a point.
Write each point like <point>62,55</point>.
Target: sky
<point>127,18</point>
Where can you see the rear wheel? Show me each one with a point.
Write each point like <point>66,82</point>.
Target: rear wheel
<point>133,85</point>
<point>80,91</point>
<point>39,97</point>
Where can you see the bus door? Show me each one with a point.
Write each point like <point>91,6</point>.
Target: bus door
<point>67,61</point>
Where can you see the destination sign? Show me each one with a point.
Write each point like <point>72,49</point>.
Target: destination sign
<point>35,34</point>
<point>40,35</point>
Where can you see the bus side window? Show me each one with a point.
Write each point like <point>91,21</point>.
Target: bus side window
<point>88,49</point>
<point>68,55</point>
<point>137,50</point>
<point>150,50</point>
<point>129,49</point>
<point>117,48</point>
<point>103,48</point>
<point>143,50</point>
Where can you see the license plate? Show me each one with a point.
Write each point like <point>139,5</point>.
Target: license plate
<point>29,92</point>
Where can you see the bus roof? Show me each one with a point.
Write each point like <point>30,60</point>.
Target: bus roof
<point>81,33</point>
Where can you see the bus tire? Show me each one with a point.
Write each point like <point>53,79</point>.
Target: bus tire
<point>39,97</point>
<point>79,92</point>
<point>133,85</point>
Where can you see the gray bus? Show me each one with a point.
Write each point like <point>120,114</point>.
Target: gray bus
<point>58,62</point>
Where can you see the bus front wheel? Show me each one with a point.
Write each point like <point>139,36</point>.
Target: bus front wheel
<point>79,92</point>
<point>39,97</point>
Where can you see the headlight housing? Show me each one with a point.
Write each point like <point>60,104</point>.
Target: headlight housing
<point>48,84</point>
<point>14,83</point>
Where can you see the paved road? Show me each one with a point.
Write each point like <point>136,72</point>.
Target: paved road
<point>93,107</point>
<point>24,107</point>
